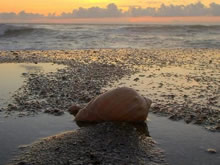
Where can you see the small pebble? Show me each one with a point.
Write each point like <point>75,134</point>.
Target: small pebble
<point>136,79</point>
<point>211,150</point>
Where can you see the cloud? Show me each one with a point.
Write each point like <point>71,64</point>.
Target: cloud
<point>8,15</point>
<point>96,12</point>
<point>215,9</point>
<point>24,15</point>
<point>197,9</point>
<point>138,12</point>
<point>20,15</point>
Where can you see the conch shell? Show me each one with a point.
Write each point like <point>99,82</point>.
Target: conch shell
<point>120,104</point>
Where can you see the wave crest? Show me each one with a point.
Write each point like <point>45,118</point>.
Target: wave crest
<point>144,28</point>
<point>13,30</point>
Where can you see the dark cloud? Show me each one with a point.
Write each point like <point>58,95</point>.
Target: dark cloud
<point>20,15</point>
<point>96,12</point>
<point>7,15</point>
<point>138,12</point>
<point>197,9</point>
<point>24,15</point>
<point>215,9</point>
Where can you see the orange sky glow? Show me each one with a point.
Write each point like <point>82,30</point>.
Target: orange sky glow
<point>59,6</point>
<point>127,20</point>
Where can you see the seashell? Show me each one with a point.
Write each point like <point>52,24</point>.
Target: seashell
<point>120,104</point>
<point>74,109</point>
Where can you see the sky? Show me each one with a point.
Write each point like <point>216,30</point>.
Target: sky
<point>59,6</point>
<point>122,10</point>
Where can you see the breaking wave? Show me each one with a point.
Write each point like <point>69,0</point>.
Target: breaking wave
<point>13,30</point>
<point>163,28</point>
<point>85,36</point>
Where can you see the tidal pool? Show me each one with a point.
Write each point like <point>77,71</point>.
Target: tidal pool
<point>183,144</point>
<point>12,76</point>
<point>15,131</point>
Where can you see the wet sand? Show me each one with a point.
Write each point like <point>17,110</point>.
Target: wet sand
<point>17,132</point>
<point>183,83</point>
<point>13,77</point>
<point>105,143</point>
<point>182,144</point>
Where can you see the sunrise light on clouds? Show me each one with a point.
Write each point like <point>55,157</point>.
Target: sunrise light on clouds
<point>70,11</point>
<point>59,6</point>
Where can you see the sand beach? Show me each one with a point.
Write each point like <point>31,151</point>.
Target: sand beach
<point>182,83</point>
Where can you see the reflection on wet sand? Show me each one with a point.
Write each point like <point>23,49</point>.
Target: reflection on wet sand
<point>12,77</point>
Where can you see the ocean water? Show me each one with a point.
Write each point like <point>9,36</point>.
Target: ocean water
<point>79,36</point>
